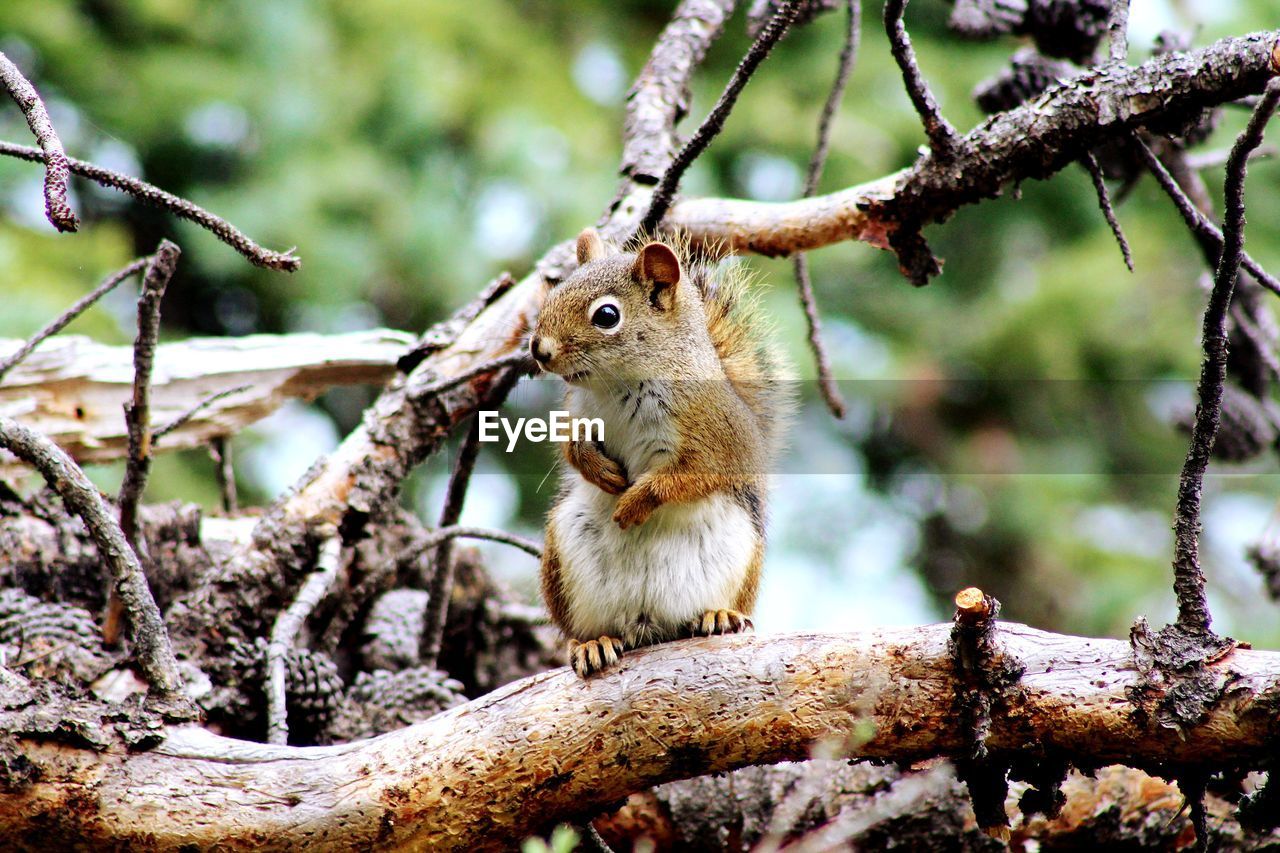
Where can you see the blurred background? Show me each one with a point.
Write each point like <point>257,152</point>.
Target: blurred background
<point>1011,425</point>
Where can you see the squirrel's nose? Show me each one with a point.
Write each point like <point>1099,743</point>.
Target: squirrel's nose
<point>542,350</point>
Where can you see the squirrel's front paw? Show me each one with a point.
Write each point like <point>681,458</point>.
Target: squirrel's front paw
<point>634,507</point>
<point>606,475</point>
<point>721,622</point>
<point>588,658</point>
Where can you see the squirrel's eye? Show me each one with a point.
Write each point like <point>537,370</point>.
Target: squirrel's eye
<point>606,316</point>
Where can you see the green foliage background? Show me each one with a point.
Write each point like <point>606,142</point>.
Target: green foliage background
<point>411,150</point>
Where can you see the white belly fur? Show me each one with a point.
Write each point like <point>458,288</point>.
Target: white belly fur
<point>649,582</point>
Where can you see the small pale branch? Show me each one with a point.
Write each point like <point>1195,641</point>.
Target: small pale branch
<point>677,710</point>
<point>848,57</point>
<point>1104,202</point>
<point>1196,219</point>
<point>714,122</point>
<point>444,534</point>
<point>285,634</point>
<point>659,98</point>
<point>945,142</point>
<point>137,411</point>
<point>1188,582</point>
<point>71,389</point>
<point>81,305</point>
<point>186,417</point>
<point>57,169</point>
<point>147,631</point>
<point>148,194</point>
<point>224,469</point>
<point>1118,31</point>
<point>442,560</point>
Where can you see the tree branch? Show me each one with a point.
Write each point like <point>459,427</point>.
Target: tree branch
<point>714,122</point>
<point>56,166</point>
<point>945,142</point>
<point>150,639</point>
<point>677,710</point>
<point>1188,583</point>
<point>79,307</point>
<point>1034,140</point>
<point>659,98</point>
<point>180,207</point>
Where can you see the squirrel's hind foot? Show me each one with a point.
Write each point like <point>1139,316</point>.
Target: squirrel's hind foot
<point>721,622</point>
<point>591,656</point>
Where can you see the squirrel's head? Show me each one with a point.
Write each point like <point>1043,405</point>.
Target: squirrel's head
<point>617,315</point>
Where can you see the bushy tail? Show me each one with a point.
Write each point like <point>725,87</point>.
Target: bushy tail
<point>744,338</point>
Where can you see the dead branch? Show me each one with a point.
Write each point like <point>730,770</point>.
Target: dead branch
<point>659,98</point>
<point>147,630</point>
<point>1104,203</point>
<point>79,307</point>
<point>441,560</point>
<point>545,749</point>
<point>848,58</point>
<point>180,207</point>
<point>71,389</point>
<point>1188,583</point>
<point>1032,141</point>
<point>285,633</point>
<point>56,167</point>
<point>714,122</point>
<point>945,142</point>
<point>137,411</point>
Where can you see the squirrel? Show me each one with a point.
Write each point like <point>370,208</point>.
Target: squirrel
<point>658,531</point>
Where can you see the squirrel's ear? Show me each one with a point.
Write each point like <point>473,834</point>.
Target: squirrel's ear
<point>657,265</point>
<point>590,246</point>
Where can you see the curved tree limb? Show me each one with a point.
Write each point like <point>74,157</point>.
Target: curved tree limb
<point>552,747</point>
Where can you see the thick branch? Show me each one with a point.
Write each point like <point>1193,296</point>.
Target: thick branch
<point>547,748</point>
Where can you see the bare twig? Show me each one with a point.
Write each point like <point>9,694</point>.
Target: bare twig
<point>183,419</point>
<point>442,574</point>
<point>435,389</point>
<point>944,141</point>
<point>848,57</point>
<point>150,639</point>
<point>81,305</point>
<point>224,470</point>
<point>1118,31</point>
<point>714,122</point>
<point>137,412</point>
<point>1188,582</point>
<point>144,192</point>
<point>137,416</point>
<point>1090,163</point>
<point>1196,220</point>
<point>56,167</point>
<point>285,633</point>
<point>435,537</point>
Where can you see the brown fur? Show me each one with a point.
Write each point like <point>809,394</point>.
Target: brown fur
<point>692,323</point>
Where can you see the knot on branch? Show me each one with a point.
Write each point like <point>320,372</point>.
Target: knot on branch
<point>1178,684</point>
<point>984,674</point>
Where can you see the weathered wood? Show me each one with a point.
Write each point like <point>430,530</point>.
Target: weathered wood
<point>72,389</point>
<point>554,747</point>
